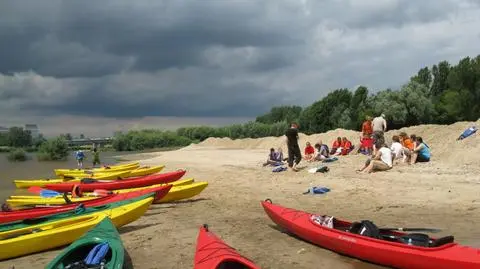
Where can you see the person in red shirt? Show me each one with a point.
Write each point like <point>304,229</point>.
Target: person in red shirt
<point>367,128</point>
<point>336,145</point>
<point>309,151</point>
<point>347,146</point>
<point>366,145</point>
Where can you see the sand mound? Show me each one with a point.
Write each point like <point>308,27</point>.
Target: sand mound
<point>441,138</point>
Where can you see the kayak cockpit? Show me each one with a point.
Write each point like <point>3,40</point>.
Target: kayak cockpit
<point>86,256</point>
<point>369,229</point>
<point>233,265</point>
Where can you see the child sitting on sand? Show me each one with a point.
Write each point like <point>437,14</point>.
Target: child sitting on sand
<point>337,144</point>
<point>366,145</point>
<point>407,144</point>
<point>321,152</point>
<point>347,146</point>
<point>397,148</point>
<point>274,158</point>
<point>309,152</point>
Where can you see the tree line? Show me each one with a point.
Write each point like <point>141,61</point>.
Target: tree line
<point>18,142</point>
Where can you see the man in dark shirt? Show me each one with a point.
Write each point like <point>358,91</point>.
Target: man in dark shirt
<point>294,153</point>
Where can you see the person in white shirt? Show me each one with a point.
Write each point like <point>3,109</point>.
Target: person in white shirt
<point>396,148</point>
<point>382,161</point>
<point>379,124</point>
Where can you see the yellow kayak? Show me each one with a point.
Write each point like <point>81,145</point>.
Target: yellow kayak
<point>183,192</point>
<point>23,184</point>
<point>138,172</point>
<point>16,201</point>
<point>41,237</point>
<point>112,168</point>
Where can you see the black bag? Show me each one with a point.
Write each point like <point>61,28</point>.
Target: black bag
<point>365,228</point>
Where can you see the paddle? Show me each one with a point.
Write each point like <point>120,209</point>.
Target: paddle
<point>49,193</point>
<point>427,230</point>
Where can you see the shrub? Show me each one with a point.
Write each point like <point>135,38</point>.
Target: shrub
<point>55,149</point>
<point>17,155</point>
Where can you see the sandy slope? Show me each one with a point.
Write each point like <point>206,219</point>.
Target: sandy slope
<point>442,193</point>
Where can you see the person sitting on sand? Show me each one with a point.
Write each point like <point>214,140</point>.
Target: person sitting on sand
<point>396,148</point>
<point>274,158</point>
<point>321,152</point>
<point>407,146</point>
<point>382,161</point>
<point>309,152</point>
<point>366,145</point>
<point>347,146</point>
<point>336,146</point>
<point>421,153</point>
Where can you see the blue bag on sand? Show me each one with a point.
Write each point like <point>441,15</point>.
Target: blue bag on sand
<point>468,132</point>
<point>317,190</point>
<point>329,160</point>
<point>279,169</point>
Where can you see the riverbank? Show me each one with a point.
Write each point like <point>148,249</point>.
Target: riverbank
<point>441,194</point>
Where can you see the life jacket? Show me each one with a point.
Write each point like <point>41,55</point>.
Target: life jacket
<point>367,127</point>
<point>336,144</point>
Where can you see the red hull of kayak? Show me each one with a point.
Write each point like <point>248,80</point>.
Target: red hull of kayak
<point>392,254</point>
<point>120,184</point>
<point>212,252</point>
<point>22,214</point>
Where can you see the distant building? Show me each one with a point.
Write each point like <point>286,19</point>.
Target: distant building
<point>33,128</point>
<point>3,129</point>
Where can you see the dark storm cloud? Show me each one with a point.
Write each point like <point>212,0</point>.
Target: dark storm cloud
<point>126,59</point>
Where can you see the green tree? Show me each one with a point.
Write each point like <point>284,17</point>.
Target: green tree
<point>440,75</point>
<point>55,149</point>
<point>18,137</point>
<point>281,113</point>
<point>424,77</point>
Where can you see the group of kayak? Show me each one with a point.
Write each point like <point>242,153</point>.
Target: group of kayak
<point>84,208</point>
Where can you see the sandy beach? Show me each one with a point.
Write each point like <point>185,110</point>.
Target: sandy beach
<point>441,194</point>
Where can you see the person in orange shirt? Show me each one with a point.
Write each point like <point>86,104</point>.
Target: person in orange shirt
<point>408,146</point>
<point>336,145</point>
<point>367,128</point>
<point>347,146</point>
<point>309,151</point>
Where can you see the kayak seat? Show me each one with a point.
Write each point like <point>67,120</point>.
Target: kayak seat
<point>442,241</point>
<point>88,180</point>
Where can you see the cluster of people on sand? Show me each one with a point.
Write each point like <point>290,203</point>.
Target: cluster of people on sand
<point>406,149</point>
<point>409,149</point>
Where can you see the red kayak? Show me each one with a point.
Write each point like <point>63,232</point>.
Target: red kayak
<point>213,253</point>
<point>22,214</point>
<point>120,184</point>
<point>381,246</point>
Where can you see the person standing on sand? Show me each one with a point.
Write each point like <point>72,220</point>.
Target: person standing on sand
<point>294,153</point>
<point>79,155</point>
<point>367,128</point>
<point>379,125</point>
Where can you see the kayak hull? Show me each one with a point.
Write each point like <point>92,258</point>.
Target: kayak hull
<point>22,214</point>
<point>23,184</point>
<point>120,184</point>
<point>20,242</point>
<point>104,232</point>
<point>112,168</point>
<point>211,253</point>
<point>382,252</point>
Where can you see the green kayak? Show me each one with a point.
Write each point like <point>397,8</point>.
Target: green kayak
<point>79,211</point>
<point>101,247</point>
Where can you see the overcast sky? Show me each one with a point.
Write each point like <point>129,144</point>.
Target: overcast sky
<point>117,61</point>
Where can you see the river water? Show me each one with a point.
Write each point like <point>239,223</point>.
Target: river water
<point>32,169</point>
